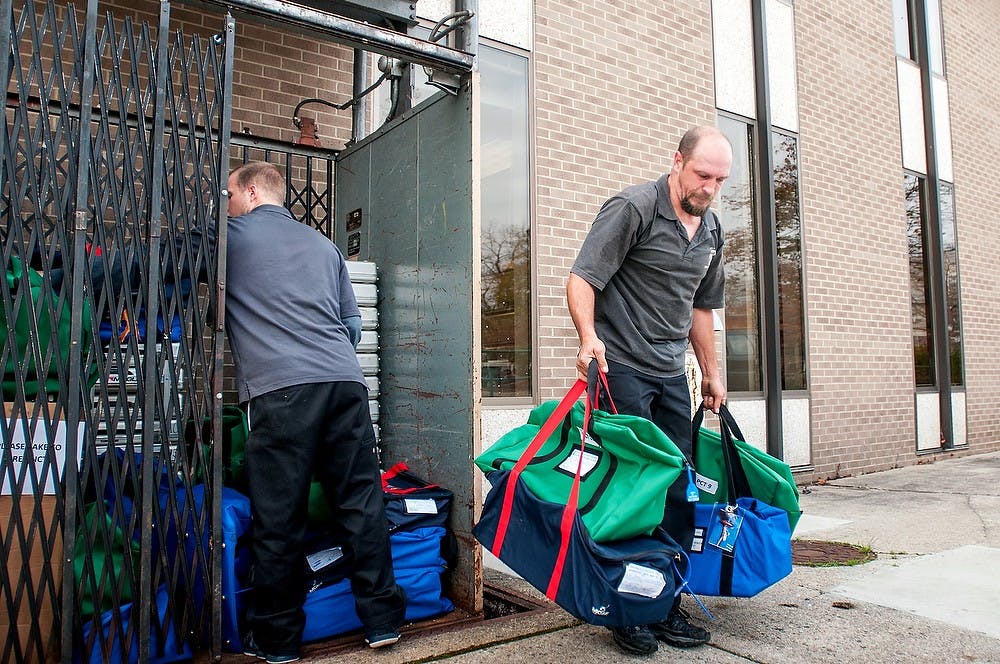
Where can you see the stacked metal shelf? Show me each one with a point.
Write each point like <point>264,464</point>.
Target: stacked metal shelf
<point>118,416</point>
<point>364,279</point>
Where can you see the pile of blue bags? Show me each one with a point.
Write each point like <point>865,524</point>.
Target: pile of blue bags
<point>422,548</point>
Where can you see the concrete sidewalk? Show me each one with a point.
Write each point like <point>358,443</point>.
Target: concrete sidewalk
<point>932,594</point>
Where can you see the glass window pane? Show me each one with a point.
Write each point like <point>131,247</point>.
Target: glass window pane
<point>506,224</point>
<point>923,343</point>
<point>942,129</point>
<point>952,301</point>
<point>732,33</point>
<point>911,116</point>
<point>901,28</point>
<point>736,205</point>
<point>935,50</point>
<point>781,81</point>
<point>789,235</point>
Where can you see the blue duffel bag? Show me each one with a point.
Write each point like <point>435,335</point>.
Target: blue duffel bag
<point>743,545</point>
<point>107,646</point>
<point>418,566</point>
<point>760,556</point>
<point>411,502</point>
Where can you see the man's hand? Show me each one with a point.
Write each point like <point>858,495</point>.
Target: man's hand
<point>713,393</point>
<point>589,350</point>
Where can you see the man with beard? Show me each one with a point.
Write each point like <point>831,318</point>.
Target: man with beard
<point>645,283</point>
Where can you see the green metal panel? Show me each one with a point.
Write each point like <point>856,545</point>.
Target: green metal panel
<point>413,182</point>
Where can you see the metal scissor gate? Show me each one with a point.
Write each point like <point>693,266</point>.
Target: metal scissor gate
<point>114,150</point>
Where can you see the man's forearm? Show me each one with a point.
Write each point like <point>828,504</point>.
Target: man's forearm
<point>702,338</point>
<point>580,299</point>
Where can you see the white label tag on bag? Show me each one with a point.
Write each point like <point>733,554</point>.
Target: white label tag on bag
<point>321,559</point>
<point>706,484</point>
<point>570,463</point>
<point>420,506</point>
<point>642,580</point>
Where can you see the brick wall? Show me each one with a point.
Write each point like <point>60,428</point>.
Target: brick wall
<point>274,69</point>
<point>972,48</point>
<point>616,84</point>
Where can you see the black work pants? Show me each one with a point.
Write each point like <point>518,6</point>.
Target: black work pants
<point>667,403</point>
<point>296,432</point>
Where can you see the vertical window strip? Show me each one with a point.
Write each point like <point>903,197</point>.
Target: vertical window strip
<point>902,29</point>
<point>736,207</point>
<point>506,224</point>
<point>949,247</point>
<point>789,235</point>
<point>923,338</point>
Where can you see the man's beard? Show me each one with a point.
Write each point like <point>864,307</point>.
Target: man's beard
<point>694,210</point>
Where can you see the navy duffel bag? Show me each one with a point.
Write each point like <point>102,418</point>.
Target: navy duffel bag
<point>616,584</point>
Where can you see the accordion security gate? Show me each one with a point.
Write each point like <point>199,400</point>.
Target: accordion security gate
<point>114,153</point>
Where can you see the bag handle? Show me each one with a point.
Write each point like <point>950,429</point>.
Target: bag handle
<point>401,470</point>
<point>536,444</point>
<point>596,379</point>
<point>737,484</point>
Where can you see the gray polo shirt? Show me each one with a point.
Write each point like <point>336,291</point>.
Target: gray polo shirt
<point>287,294</point>
<point>648,277</point>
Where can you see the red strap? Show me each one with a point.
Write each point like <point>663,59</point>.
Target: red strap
<point>394,472</point>
<point>555,419</point>
<point>569,512</point>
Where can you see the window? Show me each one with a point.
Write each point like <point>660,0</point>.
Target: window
<point>946,199</point>
<point>929,210</point>
<point>901,29</point>
<point>791,323</point>
<point>506,224</point>
<point>736,212</point>
<point>920,305</point>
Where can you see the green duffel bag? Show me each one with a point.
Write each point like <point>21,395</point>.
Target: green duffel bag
<point>628,465</point>
<point>96,594</point>
<point>33,310</point>
<point>763,477</point>
<point>235,432</point>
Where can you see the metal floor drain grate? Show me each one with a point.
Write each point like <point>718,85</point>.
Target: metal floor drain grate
<point>816,553</point>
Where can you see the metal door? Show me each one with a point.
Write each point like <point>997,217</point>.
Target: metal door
<point>114,150</point>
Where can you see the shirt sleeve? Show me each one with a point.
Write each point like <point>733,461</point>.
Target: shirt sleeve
<point>711,293</point>
<point>348,302</point>
<point>608,242</point>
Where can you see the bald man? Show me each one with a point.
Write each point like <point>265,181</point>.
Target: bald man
<point>644,284</point>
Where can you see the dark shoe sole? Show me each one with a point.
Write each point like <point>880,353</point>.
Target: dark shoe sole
<point>383,642</point>
<point>680,641</point>
<point>633,650</point>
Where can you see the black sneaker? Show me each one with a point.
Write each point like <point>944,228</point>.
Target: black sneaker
<point>637,640</point>
<point>382,639</point>
<point>251,649</point>
<point>678,632</point>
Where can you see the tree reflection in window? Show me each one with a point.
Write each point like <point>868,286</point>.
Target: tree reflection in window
<point>736,212</point>
<point>789,239</point>
<point>923,339</point>
<point>946,200</point>
<point>738,215</point>
<point>506,224</point>
<point>506,288</point>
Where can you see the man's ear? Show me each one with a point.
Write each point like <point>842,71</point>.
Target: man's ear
<point>678,162</point>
